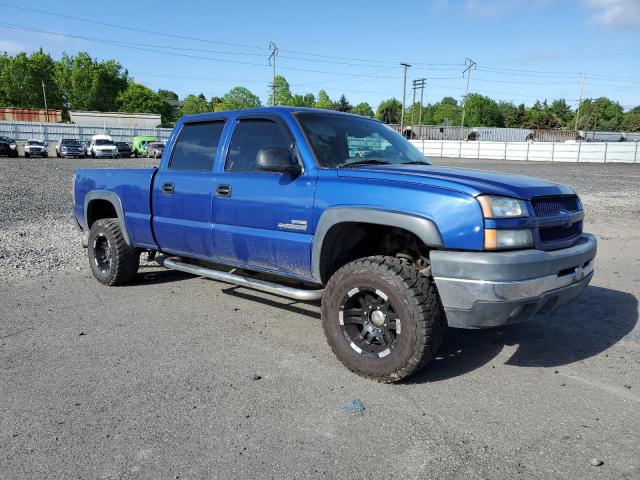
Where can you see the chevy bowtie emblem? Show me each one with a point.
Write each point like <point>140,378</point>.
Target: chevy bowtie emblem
<point>566,218</point>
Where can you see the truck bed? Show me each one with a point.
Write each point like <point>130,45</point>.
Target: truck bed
<point>132,187</point>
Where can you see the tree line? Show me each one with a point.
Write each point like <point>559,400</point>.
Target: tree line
<point>80,82</point>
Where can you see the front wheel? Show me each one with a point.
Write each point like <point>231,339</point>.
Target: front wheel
<point>112,261</point>
<point>382,318</point>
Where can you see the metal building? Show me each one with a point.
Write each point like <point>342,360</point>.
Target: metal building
<point>116,119</point>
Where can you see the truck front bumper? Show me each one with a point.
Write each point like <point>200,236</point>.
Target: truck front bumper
<point>489,289</point>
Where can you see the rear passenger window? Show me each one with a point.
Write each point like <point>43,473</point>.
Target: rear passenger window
<point>250,136</point>
<point>196,146</point>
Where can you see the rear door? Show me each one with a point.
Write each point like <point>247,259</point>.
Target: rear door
<point>263,219</point>
<point>183,191</point>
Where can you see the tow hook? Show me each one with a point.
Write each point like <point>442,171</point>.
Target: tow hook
<point>85,240</point>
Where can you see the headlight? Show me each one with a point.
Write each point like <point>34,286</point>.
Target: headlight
<point>502,207</point>
<point>507,239</point>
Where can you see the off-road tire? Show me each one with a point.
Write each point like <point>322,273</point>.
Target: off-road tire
<point>416,302</point>
<point>124,260</point>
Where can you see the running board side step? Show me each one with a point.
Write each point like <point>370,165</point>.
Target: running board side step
<point>253,283</point>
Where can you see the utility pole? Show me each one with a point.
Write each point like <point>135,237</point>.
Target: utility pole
<point>470,63</point>
<point>274,53</point>
<point>404,94</point>
<point>413,110</point>
<point>419,83</point>
<point>579,101</point>
<point>46,109</point>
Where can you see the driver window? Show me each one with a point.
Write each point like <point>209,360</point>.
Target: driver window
<point>249,137</point>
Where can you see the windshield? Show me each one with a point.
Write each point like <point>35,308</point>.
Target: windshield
<point>70,141</point>
<point>101,141</point>
<point>122,144</point>
<point>342,140</point>
<point>34,142</point>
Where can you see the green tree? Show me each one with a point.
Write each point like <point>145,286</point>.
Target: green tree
<point>306,100</point>
<point>600,114</point>
<point>363,109</point>
<point>238,98</point>
<point>631,121</point>
<point>389,111</point>
<point>215,104</point>
<point>446,112</point>
<point>194,104</point>
<point>342,105</point>
<point>139,99</point>
<point>323,101</point>
<point>283,92</point>
<point>563,116</point>
<point>21,79</point>
<point>481,111</point>
<point>170,104</point>
<point>89,84</point>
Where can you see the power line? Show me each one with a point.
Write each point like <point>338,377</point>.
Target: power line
<point>122,27</point>
<point>185,55</point>
<point>216,42</point>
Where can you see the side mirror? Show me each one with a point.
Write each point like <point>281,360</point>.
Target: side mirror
<point>278,160</point>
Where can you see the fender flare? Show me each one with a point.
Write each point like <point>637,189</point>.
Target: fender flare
<point>424,228</point>
<point>114,200</point>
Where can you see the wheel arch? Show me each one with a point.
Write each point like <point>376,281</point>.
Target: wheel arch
<point>336,218</point>
<point>104,204</point>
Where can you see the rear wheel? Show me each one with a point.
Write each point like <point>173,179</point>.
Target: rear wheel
<point>382,318</point>
<point>112,261</point>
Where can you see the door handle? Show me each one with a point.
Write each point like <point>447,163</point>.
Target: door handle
<point>168,188</point>
<point>223,191</point>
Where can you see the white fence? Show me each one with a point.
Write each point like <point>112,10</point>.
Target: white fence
<point>51,132</point>
<point>626,152</point>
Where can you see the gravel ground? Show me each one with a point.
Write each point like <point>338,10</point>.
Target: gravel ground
<point>37,232</point>
<point>182,377</point>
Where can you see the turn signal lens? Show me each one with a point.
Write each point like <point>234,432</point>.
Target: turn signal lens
<point>507,239</point>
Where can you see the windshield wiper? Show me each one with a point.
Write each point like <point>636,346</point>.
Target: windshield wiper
<point>370,161</point>
<point>415,162</point>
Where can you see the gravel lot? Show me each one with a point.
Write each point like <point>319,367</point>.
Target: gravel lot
<point>182,377</point>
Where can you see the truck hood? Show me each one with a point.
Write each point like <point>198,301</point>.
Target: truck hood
<point>470,181</point>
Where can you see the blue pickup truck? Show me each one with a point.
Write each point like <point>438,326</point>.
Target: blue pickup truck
<point>312,204</point>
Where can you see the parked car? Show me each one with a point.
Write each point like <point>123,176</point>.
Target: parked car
<point>69,147</point>
<point>396,248</point>
<point>124,149</point>
<point>8,147</point>
<point>155,149</point>
<point>35,148</point>
<point>139,145</point>
<point>102,146</point>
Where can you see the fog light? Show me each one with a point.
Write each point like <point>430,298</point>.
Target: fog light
<point>506,239</point>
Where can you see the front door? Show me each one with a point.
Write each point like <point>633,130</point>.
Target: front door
<point>183,191</point>
<point>262,219</point>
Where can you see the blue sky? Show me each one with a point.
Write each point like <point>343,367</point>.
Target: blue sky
<point>524,49</point>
